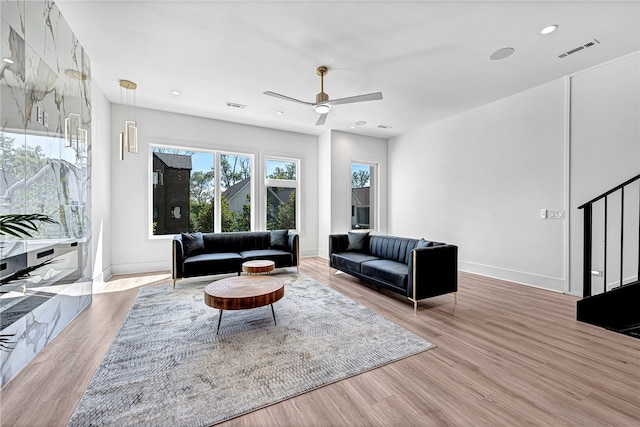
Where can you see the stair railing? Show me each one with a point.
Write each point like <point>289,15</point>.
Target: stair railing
<point>588,235</point>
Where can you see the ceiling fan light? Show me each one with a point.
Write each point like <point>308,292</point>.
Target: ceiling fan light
<point>322,108</point>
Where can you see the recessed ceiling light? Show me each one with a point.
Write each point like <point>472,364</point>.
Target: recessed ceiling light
<point>176,92</point>
<point>352,126</point>
<point>361,123</point>
<point>502,53</point>
<point>8,60</point>
<point>549,29</point>
<point>279,113</point>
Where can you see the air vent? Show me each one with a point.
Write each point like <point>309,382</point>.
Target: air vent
<point>384,127</point>
<point>579,48</point>
<point>235,105</point>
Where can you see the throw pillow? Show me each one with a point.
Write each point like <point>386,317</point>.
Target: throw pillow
<point>279,239</point>
<point>358,242</point>
<point>423,244</point>
<point>193,243</point>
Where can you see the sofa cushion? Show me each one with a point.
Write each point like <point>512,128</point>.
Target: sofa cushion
<point>350,260</point>
<point>386,270</point>
<point>281,258</point>
<point>279,239</point>
<point>392,248</point>
<point>220,262</point>
<point>423,244</point>
<point>193,243</point>
<point>236,241</point>
<point>358,242</point>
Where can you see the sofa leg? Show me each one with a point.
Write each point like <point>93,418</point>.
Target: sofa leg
<point>174,283</point>
<point>455,298</point>
<point>415,306</point>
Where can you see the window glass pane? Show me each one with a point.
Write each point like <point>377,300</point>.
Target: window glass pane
<point>281,208</point>
<point>235,183</point>
<point>360,196</point>
<point>281,169</point>
<point>183,191</point>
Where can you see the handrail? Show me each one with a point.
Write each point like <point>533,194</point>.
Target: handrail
<point>588,236</point>
<point>606,193</point>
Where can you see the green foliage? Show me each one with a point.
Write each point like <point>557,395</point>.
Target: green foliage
<point>360,179</point>
<point>235,221</point>
<point>235,171</point>
<point>22,225</point>
<point>201,201</point>
<point>289,172</point>
<point>283,215</point>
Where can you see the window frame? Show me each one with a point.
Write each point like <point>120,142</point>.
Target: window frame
<point>374,197</point>
<point>217,156</point>
<point>285,183</point>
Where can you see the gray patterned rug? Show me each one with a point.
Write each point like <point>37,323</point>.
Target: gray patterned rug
<point>167,366</point>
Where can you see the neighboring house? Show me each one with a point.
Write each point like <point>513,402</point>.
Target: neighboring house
<point>236,195</point>
<point>360,212</point>
<point>171,178</point>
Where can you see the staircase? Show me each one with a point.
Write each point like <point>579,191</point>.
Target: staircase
<point>615,305</point>
<point>616,310</point>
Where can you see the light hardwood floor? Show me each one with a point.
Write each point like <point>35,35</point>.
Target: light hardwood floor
<point>507,355</point>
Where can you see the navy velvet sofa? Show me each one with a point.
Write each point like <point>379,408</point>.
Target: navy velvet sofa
<point>204,254</point>
<point>415,268</point>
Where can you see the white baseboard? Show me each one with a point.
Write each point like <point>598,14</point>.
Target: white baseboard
<point>102,276</point>
<point>306,253</point>
<point>140,267</point>
<point>522,278</point>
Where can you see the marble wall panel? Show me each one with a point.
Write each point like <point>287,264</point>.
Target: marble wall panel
<point>49,73</point>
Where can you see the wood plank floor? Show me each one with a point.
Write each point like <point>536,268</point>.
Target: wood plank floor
<point>507,355</point>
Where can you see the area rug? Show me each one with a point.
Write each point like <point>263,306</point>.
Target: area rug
<point>167,367</point>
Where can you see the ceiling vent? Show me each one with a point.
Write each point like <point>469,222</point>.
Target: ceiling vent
<point>579,48</point>
<point>236,105</point>
<point>384,127</point>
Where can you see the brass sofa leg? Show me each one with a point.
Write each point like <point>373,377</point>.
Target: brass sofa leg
<point>174,283</point>
<point>455,298</point>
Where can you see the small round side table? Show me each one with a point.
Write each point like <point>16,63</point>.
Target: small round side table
<point>258,266</point>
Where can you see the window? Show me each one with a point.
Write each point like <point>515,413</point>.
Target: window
<point>235,199</point>
<point>363,196</point>
<point>184,189</point>
<point>282,184</point>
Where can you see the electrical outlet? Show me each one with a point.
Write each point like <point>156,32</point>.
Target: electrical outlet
<point>543,214</point>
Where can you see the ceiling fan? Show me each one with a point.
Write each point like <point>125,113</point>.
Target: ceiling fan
<point>323,104</point>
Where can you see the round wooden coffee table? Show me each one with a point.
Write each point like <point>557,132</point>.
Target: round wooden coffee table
<point>258,266</point>
<point>243,293</point>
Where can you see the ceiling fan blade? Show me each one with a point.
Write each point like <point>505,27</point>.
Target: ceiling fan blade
<point>359,98</point>
<point>321,119</point>
<point>287,98</point>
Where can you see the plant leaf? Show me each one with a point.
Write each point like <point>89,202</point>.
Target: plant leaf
<point>22,225</point>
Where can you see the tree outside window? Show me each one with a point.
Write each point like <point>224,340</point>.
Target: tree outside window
<point>281,197</point>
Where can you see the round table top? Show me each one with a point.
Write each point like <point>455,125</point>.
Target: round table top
<point>243,292</point>
<point>258,266</point>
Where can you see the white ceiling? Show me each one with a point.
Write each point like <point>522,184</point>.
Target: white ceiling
<point>429,59</point>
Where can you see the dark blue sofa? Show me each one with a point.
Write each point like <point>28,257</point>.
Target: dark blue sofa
<point>415,268</point>
<point>204,254</point>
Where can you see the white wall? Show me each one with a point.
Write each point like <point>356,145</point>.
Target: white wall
<point>605,152</point>
<point>324,193</point>
<point>347,148</point>
<point>479,180</point>
<point>100,184</point>
<point>132,249</point>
